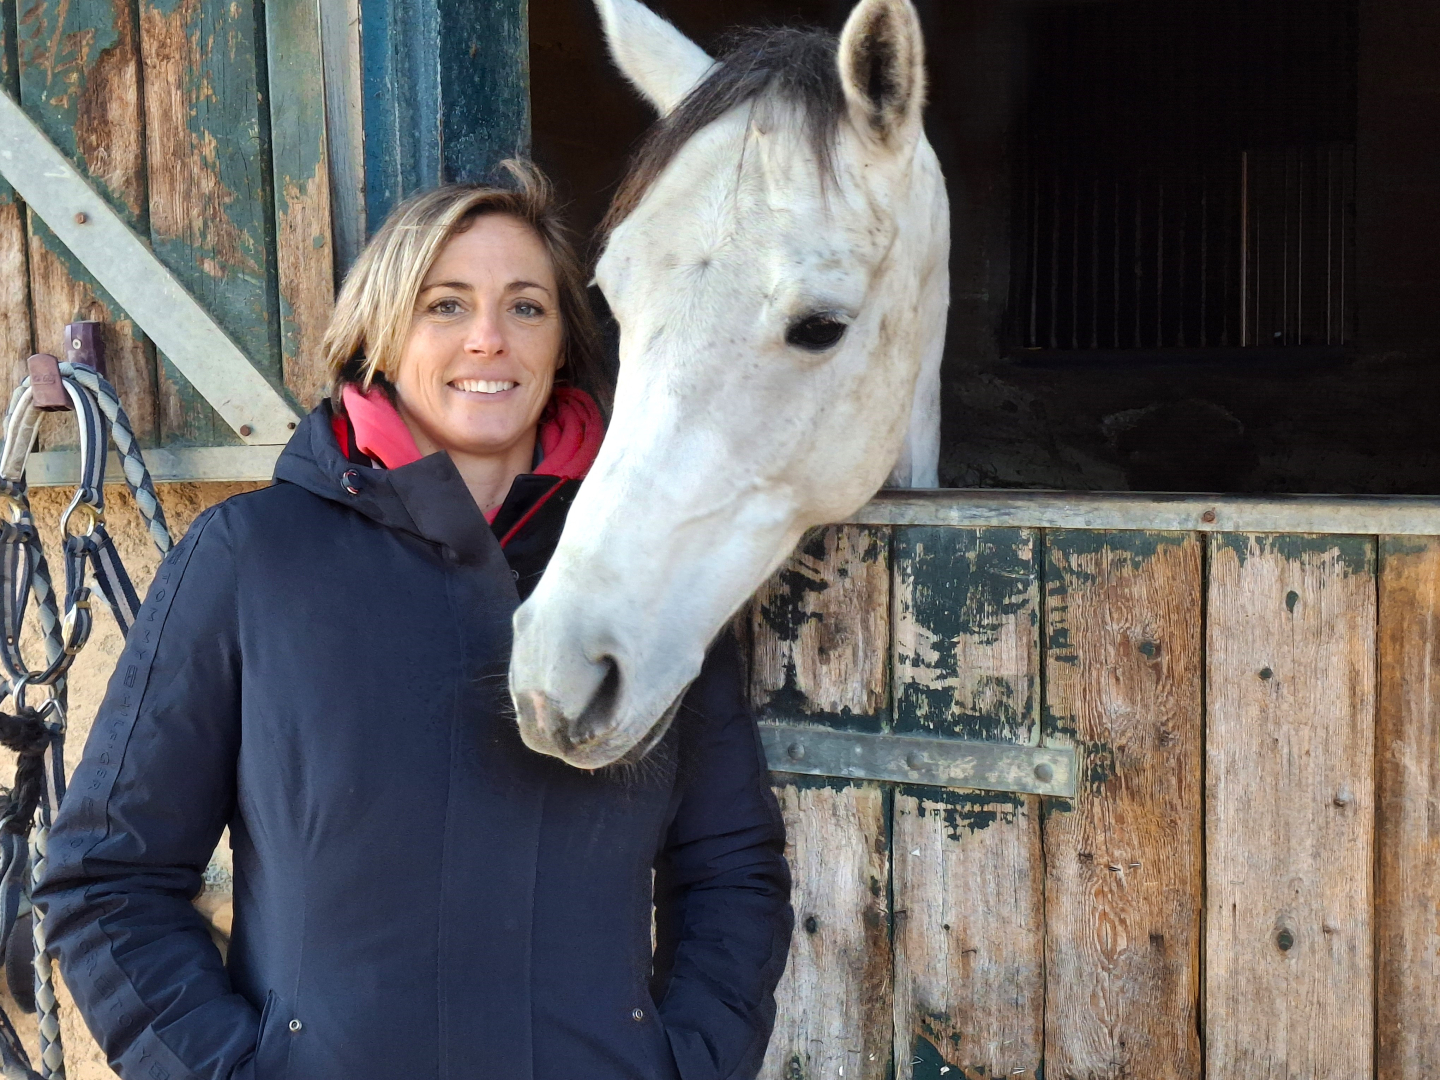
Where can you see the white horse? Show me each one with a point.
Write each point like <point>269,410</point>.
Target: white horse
<point>777,262</point>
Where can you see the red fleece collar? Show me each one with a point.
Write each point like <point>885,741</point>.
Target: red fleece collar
<point>571,430</point>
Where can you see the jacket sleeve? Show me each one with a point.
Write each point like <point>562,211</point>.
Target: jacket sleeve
<point>145,808</point>
<point>722,886</point>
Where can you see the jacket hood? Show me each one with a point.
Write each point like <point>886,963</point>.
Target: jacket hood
<point>427,498</point>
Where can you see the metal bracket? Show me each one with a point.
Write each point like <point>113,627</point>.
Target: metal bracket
<point>919,759</point>
<point>140,283</point>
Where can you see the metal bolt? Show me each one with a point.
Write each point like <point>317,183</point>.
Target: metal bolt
<point>1208,517</point>
<point>246,429</point>
<point>638,1015</point>
<point>914,760</point>
<point>291,425</point>
<point>795,751</point>
<point>296,1026</point>
<point>81,218</point>
<point>1044,773</point>
<point>75,343</point>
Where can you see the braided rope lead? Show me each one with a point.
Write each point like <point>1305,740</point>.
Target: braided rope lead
<point>52,1050</point>
<point>132,463</point>
<point>142,488</point>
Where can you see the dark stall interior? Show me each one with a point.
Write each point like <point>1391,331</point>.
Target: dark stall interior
<point>1196,242</point>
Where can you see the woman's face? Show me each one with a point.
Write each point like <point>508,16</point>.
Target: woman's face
<point>479,364</point>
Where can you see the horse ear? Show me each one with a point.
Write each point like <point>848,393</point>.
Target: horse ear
<point>882,69</point>
<point>663,63</point>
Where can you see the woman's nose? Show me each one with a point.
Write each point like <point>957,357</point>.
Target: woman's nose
<point>485,337</point>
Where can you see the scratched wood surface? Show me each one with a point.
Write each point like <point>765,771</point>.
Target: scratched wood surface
<point>968,868</point>
<point>1289,803</point>
<point>821,632</point>
<point>1123,860</point>
<point>15,333</point>
<point>209,197</point>
<point>1407,744</point>
<point>79,79</point>
<point>305,262</point>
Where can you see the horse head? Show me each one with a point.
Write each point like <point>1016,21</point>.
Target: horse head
<point>777,262</point>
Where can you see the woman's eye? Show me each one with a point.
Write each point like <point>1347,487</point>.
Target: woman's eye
<point>526,310</point>
<point>446,307</point>
<point>815,333</point>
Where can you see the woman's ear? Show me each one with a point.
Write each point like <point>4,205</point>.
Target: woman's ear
<point>663,63</point>
<point>882,71</point>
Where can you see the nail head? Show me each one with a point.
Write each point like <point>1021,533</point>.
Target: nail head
<point>81,218</point>
<point>246,429</point>
<point>1044,773</point>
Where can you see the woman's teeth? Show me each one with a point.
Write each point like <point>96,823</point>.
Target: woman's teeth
<point>482,386</point>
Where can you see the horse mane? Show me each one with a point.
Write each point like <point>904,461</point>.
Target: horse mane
<point>794,66</point>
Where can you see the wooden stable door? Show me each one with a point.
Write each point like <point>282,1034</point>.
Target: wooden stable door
<point>1246,885</point>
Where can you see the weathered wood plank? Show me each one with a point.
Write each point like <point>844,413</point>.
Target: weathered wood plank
<point>820,636</point>
<point>1290,811</point>
<point>15,331</point>
<point>1407,743</point>
<point>1123,862</point>
<point>210,204</point>
<point>79,79</point>
<point>821,632</point>
<point>344,127</point>
<point>833,1003</point>
<point>968,867</point>
<point>304,253</point>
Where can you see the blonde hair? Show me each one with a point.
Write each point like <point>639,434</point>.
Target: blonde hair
<point>366,335</point>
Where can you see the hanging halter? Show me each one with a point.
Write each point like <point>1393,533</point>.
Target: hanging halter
<point>35,729</point>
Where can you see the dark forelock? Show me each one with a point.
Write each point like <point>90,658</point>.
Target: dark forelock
<point>795,67</point>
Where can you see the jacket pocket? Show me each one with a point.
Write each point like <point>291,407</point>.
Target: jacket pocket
<point>272,1048</point>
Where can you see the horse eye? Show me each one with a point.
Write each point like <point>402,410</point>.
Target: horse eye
<point>815,332</point>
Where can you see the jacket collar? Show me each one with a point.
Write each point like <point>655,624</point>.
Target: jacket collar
<point>426,498</point>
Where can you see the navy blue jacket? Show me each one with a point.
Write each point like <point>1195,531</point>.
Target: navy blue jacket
<point>416,893</point>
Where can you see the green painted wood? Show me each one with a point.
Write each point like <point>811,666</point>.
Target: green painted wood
<point>77,68</point>
<point>304,252</point>
<point>968,882</point>
<point>16,332</point>
<point>210,198</point>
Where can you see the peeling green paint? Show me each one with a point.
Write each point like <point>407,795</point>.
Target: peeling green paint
<point>965,813</point>
<point>215,229</point>
<point>971,586</point>
<point>1067,552</point>
<point>1354,554</point>
<point>1405,545</point>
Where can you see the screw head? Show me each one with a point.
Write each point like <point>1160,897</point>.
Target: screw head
<point>1208,517</point>
<point>246,429</point>
<point>795,751</point>
<point>914,760</point>
<point>1044,772</point>
<point>81,218</point>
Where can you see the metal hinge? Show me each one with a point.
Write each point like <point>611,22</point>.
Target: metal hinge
<point>919,759</point>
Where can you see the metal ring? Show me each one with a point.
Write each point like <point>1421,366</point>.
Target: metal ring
<point>67,623</point>
<point>17,691</point>
<point>93,515</point>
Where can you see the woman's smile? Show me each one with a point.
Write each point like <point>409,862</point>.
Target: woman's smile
<point>485,388</point>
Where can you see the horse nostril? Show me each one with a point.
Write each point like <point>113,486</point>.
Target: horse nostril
<point>598,716</point>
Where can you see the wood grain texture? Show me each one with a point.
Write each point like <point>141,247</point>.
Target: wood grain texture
<point>1407,745</point>
<point>1289,796</point>
<point>821,631</point>
<point>304,253</point>
<point>820,653</point>
<point>1123,861</point>
<point>15,330</point>
<point>833,1003</point>
<point>78,68</point>
<point>210,202</point>
<point>968,866</point>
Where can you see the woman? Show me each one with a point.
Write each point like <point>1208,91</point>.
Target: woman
<point>321,667</point>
